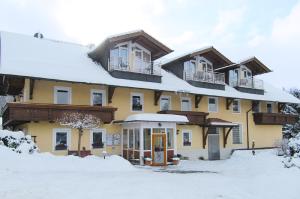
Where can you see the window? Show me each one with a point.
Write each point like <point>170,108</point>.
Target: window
<point>119,56</point>
<point>137,139</point>
<point>256,107</point>
<point>137,101</point>
<point>170,138</point>
<point>165,103</point>
<point>237,134</point>
<point>187,138</point>
<point>189,69</point>
<point>61,139</point>
<point>97,138</point>
<point>125,138</point>
<point>236,106</point>
<point>269,107</point>
<point>62,95</point>
<point>212,104</point>
<point>186,104</point>
<point>131,137</point>
<point>147,139</point>
<point>97,97</point>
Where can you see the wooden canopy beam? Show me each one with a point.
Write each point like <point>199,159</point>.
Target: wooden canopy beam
<point>280,107</point>
<point>204,137</point>
<point>31,86</point>
<point>111,91</point>
<point>225,135</point>
<point>228,102</point>
<point>197,100</point>
<point>157,95</point>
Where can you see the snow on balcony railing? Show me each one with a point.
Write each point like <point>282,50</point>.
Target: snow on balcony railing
<point>210,77</point>
<point>117,63</point>
<point>249,83</point>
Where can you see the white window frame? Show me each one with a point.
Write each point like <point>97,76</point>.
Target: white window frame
<point>170,103</point>
<point>217,104</point>
<point>98,130</point>
<point>69,89</point>
<point>239,106</point>
<point>272,108</point>
<point>240,132</point>
<point>190,137</point>
<point>141,95</point>
<point>190,103</point>
<point>103,92</point>
<point>58,130</point>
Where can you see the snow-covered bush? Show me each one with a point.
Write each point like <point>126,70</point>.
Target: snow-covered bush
<point>17,142</point>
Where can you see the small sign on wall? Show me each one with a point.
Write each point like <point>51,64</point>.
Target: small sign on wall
<point>113,139</point>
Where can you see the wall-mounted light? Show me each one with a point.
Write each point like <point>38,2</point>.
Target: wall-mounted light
<point>159,124</point>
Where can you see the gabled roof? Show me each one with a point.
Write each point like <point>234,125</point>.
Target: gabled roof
<point>210,53</point>
<point>27,56</point>
<point>256,66</point>
<point>157,48</point>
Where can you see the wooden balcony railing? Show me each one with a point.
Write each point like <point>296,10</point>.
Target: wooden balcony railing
<point>194,117</point>
<point>19,113</point>
<point>274,118</point>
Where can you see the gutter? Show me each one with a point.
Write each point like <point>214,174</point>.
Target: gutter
<point>247,121</point>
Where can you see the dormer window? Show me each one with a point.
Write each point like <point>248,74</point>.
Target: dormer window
<point>142,59</point>
<point>119,57</point>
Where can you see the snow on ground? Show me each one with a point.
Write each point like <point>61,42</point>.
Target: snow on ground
<point>45,176</point>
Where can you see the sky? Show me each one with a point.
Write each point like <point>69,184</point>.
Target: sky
<point>269,29</point>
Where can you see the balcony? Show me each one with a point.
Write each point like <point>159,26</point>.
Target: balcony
<point>19,113</point>
<point>274,118</point>
<point>194,117</point>
<point>249,85</point>
<point>139,70</point>
<point>206,79</point>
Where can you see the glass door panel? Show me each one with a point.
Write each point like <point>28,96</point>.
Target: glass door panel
<point>159,149</point>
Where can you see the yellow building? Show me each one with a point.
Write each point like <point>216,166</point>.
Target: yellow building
<point>199,105</point>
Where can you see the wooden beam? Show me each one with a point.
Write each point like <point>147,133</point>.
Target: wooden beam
<point>280,107</point>
<point>197,100</point>
<point>204,137</point>
<point>111,91</point>
<point>225,136</point>
<point>31,86</point>
<point>228,103</point>
<point>157,95</point>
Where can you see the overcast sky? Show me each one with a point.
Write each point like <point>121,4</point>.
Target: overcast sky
<point>269,29</point>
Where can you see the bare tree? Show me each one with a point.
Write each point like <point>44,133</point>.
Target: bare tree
<point>79,121</point>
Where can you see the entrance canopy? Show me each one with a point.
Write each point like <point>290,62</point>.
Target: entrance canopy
<point>216,122</point>
<point>153,117</point>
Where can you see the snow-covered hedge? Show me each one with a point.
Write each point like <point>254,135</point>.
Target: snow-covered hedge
<point>17,141</point>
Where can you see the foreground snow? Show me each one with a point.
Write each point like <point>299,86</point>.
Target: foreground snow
<point>46,176</point>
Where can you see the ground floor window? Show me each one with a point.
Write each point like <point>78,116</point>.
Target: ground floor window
<point>61,138</point>
<point>187,138</point>
<point>237,134</point>
<point>97,139</point>
<point>170,138</point>
<point>125,139</point>
<point>130,144</point>
<point>137,139</point>
<point>147,139</point>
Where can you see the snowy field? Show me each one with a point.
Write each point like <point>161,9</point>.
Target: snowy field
<point>44,176</point>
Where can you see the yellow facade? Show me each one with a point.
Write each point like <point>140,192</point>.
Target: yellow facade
<point>263,135</point>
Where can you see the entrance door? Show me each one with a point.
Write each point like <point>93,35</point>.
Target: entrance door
<point>213,144</point>
<point>159,149</point>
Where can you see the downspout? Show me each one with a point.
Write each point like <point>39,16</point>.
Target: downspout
<point>247,121</point>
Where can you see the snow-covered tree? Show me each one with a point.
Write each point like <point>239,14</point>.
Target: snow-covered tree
<point>79,121</point>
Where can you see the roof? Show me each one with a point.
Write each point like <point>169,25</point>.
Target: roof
<point>157,48</point>
<point>27,56</point>
<point>210,53</point>
<point>153,117</point>
<point>219,123</point>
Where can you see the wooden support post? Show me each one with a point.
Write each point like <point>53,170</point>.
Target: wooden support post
<point>157,95</point>
<point>31,86</point>
<point>225,136</point>
<point>197,100</point>
<point>228,103</point>
<point>111,91</point>
<point>204,137</point>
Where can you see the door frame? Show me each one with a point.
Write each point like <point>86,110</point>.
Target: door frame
<point>163,135</point>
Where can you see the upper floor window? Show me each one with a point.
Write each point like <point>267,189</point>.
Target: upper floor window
<point>186,104</point>
<point>256,107</point>
<point>98,97</point>
<point>165,103</point>
<point>269,107</point>
<point>137,102</point>
<point>189,69</point>
<point>119,56</point>
<point>236,106</point>
<point>142,57</point>
<point>212,104</point>
<point>62,95</point>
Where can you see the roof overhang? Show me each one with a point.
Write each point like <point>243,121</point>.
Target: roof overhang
<point>153,117</point>
<point>216,122</point>
<point>156,48</point>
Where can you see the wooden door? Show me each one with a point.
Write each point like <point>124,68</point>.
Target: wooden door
<point>159,150</point>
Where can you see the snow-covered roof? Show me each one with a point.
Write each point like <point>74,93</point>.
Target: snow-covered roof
<point>153,117</point>
<point>23,55</point>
